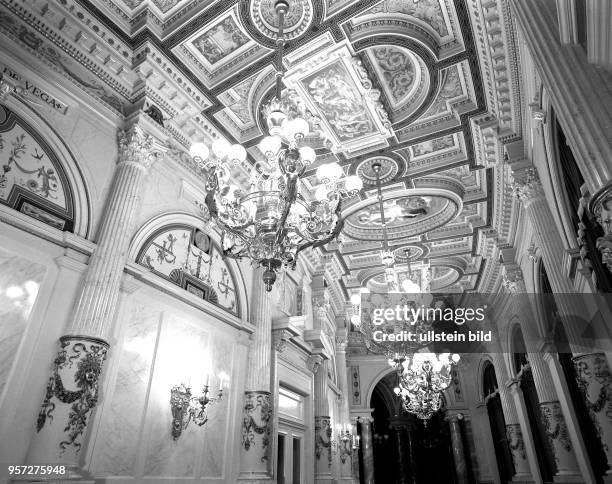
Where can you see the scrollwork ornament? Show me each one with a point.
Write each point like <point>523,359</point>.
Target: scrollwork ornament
<point>555,426</point>
<point>74,380</point>
<point>257,421</point>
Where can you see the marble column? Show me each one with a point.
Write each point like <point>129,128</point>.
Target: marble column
<point>400,426</point>
<point>367,449</point>
<point>257,421</point>
<point>530,192</point>
<point>346,467</point>
<point>458,450</point>
<point>551,412</point>
<point>73,388</point>
<point>518,431</point>
<point>323,426</point>
<point>412,446</point>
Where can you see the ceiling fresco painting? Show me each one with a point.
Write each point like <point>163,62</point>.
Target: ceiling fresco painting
<point>421,87</point>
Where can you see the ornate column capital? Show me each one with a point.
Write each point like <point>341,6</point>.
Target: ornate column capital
<point>513,279</point>
<point>526,185</point>
<point>314,362</point>
<point>601,208</point>
<point>138,147</point>
<point>280,337</point>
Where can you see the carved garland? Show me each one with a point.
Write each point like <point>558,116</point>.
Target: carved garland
<point>257,420</point>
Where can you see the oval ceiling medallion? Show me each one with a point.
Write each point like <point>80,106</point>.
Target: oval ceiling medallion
<point>407,213</point>
<point>297,20</point>
<point>388,170</point>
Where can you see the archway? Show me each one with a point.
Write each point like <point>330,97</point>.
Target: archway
<point>405,449</point>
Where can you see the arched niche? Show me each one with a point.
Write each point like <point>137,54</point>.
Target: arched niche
<point>178,248</point>
<point>39,176</point>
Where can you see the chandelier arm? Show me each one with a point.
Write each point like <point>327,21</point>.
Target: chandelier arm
<point>334,234</point>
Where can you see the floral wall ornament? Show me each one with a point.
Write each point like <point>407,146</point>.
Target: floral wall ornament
<point>555,426</point>
<point>323,437</point>
<point>257,421</point>
<point>595,383</point>
<point>74,381</point>
<point>601,208</point>
<point>516,443</point>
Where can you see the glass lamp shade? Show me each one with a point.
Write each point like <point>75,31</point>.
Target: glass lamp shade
<point>321,193</point>
<point>356,299</point>
<point>410,286</point>
<point>237,153</point>
<point>270,145</point>
<point>307,154</point>
<point>353,183</point>
<point>221,148</point>
<point>455,357</point>
<point>296,129</point>
<point>356,320</point>
<point>329,171</point>
<point>199,150</point>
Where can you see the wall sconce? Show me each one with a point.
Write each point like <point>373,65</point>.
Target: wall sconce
<point>186,407</point>
<point>348,442</point>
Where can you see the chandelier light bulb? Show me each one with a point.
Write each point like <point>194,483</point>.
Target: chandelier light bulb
<point>221,148</point>
<point>356,320</point>
<point>307,154</point>
<point>270,146</point>
<point>397,390</point>
<point>356,299</point>
<point>455,358</point>
<point>329,171</point>
<point>296,129</point>
<point>410,286</point>
<point>353,183</point>
<point>199,150</point>
<point>237,153</point>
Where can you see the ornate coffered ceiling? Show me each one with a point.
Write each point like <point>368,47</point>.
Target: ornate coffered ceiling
<point>429,88</point>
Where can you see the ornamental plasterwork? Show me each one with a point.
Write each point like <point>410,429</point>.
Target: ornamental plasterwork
<point>201,96</point>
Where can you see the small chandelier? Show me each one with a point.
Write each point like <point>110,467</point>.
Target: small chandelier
<point>273,221</point>
<point>422,379</point>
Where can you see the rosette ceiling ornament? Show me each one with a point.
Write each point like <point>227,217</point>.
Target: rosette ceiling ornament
<point>422,379</point>
<point>275,219</point>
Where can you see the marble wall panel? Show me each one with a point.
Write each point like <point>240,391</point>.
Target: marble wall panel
<point>20,280</point>
<point>182,357</point>
<point>117,442</point>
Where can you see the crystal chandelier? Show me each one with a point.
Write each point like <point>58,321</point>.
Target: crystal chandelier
<point>422,379</point>
<point>273,220</point>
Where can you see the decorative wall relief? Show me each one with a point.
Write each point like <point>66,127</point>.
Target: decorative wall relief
<point>189,258</point>
<point>257,422</point>
<point>221,40</point>
<point>595,382</point>
<point>323,437</point>
<point>556,428</point>
<point>76,372</point>
<point>32,179</point>
<point>601,207</point>
<point>516,443</point>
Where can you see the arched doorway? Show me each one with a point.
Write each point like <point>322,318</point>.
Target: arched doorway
<point>406,451</point>
<point>497,423</point>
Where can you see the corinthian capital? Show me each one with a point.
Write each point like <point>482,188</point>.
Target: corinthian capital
<point>526,186</point>
<point>138,147</point>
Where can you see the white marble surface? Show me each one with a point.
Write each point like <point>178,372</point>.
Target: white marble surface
<point>20,280</point>
<point>118,439</point>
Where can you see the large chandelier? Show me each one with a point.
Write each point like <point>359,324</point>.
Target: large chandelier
<point>422,379</point>
<point>274,220</point>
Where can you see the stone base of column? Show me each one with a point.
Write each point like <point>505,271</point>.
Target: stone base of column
<point>568,478</point>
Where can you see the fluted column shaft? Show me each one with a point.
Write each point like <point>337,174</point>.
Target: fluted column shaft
<point>346,468</point>
<point>458,450</point>
<point>258,409</point>
<point>78,365</point>
<point>579,91</point>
